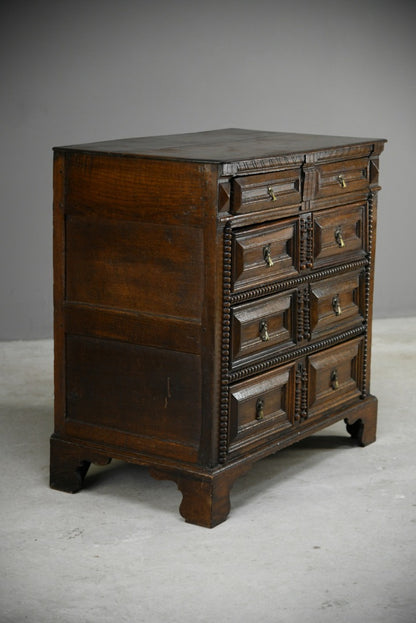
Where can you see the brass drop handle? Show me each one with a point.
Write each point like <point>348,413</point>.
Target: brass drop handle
<point>334,379</point>
<point>260,409</point>
<point>338,238</point>
<point>263,331</point>
<point>267,255</point>
<point>341,181</point>
<point>271,194</point>
<point>336,305</point>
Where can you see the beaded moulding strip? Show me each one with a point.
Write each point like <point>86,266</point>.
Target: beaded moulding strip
<point>273,288</point>
<point>273,362</point>
<point>367,293</point>
<point>225,347</point>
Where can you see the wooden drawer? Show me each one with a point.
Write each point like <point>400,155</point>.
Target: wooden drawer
<point>336,304</point>
<point>261,192</point>
<point>337,178</point>
<point>338,235</point>
<point>262,325</point>
<point>264,254</point>
<point>334,377</point>
<point>262,405</point>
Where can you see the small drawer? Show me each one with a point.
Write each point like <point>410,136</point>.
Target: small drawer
<point>265,254</point>
<point>261,192</point>
<point>338,235</point>
<point>260,326</point>
<point>336,304</point>
<point>261,405</point>
<point>337,178</point>
<point>334,377</point>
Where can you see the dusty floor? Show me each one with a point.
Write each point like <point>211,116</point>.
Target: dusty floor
<point>323,531</point>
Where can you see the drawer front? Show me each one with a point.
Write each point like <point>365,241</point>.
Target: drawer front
<point>334,377</point>
<point>260,326</point>
<point>261,405</point>
<point>265,254</point>
<point>338,235</point>
<point>261,192</point>
<point>336,304</point>
<point>338,178</point>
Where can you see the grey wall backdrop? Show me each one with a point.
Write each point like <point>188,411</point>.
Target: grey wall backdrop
<point>77,71</point>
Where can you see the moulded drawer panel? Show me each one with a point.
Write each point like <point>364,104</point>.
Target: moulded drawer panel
<point>265,254</point>
<point>334,377</point>
<point>261,192</point>
<point>262,325</point>
<point>336,304</point>
<point>339,235</point>
<point>261,405</point>
<point>338,178</point>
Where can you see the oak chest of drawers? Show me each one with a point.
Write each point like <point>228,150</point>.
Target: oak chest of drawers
<point>213,302</point>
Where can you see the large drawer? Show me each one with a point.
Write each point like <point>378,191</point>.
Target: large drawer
<point>259,326</point>
<point>336,304</point>
<point>261,192</point>
<point>265,253</point>
<point>261,405</point>
<point>337,178</point>
<point>334,377</point>
<point>338,235</point>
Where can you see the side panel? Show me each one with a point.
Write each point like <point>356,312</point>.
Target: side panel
<point>146,267</point>
<point>134,270</point>
<point>150,393</point>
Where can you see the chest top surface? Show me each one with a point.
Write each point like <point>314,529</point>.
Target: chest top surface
<point>221,146</point>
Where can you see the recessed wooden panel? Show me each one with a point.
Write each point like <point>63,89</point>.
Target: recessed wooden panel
<point>338,235</point>
<point>130,188</point>
<point>135,266</point>
<point>261,192</point>
<point>253,245</point>
<point>336,304</point>
<point>133,327</point>
<point>262,325</point>
<point>149,392</point>
<point>334,377</point>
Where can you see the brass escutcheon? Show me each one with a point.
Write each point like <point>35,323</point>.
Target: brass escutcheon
<point>341,181</point>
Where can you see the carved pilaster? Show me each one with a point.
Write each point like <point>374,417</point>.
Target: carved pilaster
<point>306,242</point>
<point>304,398</point>
<point>306,314</point>
<point>298,391</point>
<point>299,315</point>
<point>302,246</point>
<point>301,392</point>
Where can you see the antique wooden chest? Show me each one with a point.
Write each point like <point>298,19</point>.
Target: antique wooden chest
<point>213,303</point>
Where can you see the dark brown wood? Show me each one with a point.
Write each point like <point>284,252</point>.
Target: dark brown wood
<point>363,428</point>
<point>206,499</point>
<point>253,193</point>
<point>339,234</point>
<point>70,463</point>
<point>262,325</point>
<point>213,303</point>
<point>278,241</point>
